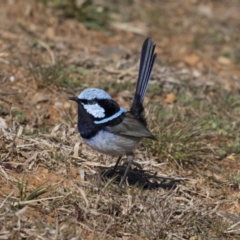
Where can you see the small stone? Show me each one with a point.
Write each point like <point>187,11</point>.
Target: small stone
<point>235,77</point>
<point>58,104</point>
<point>3,123</point>
<point>60,46</point>
<point>162,69</point>
<point>224,61</point>
<point>66,105</point>
<point>12,78</point>
<point>196,74</point>
<point>205,11</point>
<point>184,71</point>
<point>193,238</point>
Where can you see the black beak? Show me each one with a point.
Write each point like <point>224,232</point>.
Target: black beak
<point>73,99</point>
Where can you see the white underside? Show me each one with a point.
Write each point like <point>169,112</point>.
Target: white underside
<point>112,144</point>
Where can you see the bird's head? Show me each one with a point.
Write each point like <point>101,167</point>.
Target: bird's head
<point>98,104</point>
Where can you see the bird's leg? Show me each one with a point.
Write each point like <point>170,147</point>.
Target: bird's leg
<point>115,167</point>
<point>130,158</point>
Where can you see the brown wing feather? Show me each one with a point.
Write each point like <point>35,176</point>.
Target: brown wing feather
<point>131,127</point>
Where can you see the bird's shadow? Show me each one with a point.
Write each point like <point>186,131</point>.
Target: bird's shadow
<point>140,178</point>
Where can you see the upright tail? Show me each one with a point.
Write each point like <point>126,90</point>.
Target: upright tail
<point>146,64</point>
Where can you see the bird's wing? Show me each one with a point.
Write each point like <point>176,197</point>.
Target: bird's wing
<point>131,127</point>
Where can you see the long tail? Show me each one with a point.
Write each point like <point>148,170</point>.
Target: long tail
<point>146,64</point>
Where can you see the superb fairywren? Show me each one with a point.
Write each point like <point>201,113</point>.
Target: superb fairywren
<point>109,128</point>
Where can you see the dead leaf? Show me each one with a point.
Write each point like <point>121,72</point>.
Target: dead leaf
<point>74,173</point>
<point>66,105</point>
<point>76,149</point>
<point>191,59</point>
<point>224,61</point>
<point>50,32</point>
<point>193,238</point>
<point>170,98</point>
<point>39,97</point>
<point>231,157</point>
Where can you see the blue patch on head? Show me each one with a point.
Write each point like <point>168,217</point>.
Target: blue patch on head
<point>93,93</point>
<point>117,114</point>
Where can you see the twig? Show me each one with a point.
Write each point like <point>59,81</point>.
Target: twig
<point>37,200</point>
<point>8,196</point>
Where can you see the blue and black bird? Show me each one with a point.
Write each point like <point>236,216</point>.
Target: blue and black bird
<point>108,128</point>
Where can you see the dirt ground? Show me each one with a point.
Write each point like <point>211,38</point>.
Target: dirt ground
<point>50,182</point>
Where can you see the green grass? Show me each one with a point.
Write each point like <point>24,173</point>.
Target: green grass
<point>3,110</point>
<point>236,54</point>
<point>117,86</point>
<point>58,74</point>
<point>154,89</point>
<point>178,140</point>
<point>185,130</point>
<point>25,195</point>
<point>92,14</point>
<point>19,116</point>
<point>234,179</point>
<point>37,131</point>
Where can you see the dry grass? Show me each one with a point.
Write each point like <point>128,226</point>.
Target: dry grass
<point>71,200</point>
<point>52,186</point>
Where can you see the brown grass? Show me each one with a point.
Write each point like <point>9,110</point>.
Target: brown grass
<point>52,186</point>
<point>76,202</point>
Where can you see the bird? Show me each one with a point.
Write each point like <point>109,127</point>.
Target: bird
<point>110,129</point>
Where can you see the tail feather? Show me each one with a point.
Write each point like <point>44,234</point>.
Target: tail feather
<point>146,64</point>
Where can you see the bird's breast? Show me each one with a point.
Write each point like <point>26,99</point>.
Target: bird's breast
<point>112,144</point>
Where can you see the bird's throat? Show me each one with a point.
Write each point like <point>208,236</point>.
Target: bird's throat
<point>86,126</point>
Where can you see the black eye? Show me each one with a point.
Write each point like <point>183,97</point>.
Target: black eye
<point>91,102</point>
